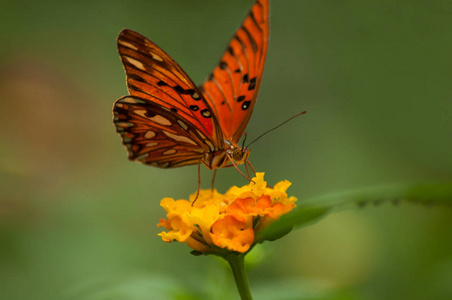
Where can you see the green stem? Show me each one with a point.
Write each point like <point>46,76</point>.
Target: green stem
<point>237,263</point>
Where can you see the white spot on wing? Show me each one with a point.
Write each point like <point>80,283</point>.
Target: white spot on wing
<point>156,57</point>
<point>149,134</point>
<point>142,157</point>
<point>207,141</point>
<point>169,152</point>
<point>182,124</point>
<point>124,124</point>
<point>131,100</point>
<point>209,144</point>
<point>179,138</point>
<point>126,44</point>
<point>137,64</point>
<point>159,119</point>
<point>201,134</point>
<point>152,144</point>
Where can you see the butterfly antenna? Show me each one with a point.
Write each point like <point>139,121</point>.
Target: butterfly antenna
<point>268,131</point>
<point>244,139</point>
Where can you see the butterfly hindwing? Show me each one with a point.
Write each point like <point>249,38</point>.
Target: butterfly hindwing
<point>155,135</point>
<point>154,75</point>
<point>232,88</point>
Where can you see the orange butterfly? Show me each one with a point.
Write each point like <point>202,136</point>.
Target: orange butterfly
<point>168,122</point>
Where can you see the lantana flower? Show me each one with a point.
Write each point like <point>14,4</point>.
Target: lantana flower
<point>214,221</point>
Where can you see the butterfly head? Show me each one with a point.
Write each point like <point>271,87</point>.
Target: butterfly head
<point>238,154</point>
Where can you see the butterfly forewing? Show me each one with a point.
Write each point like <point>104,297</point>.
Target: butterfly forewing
<point>154,135</point>
<point>232,88</point>
<point>154,75</point>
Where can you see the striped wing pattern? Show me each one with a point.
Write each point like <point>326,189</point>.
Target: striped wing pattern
<point>154,75</point>
<point>232,88</point>
<point>154,135</point>
<point>165,122</point>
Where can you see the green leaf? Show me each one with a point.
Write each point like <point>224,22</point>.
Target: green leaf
<point>439,193</point>
<point>312,210</point>
<point>300,216</point>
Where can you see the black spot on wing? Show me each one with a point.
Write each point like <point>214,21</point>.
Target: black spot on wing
<point>121,111</point>
<point>245,78</point>
<point>240,99</point>
<point>149,113</point>
<point>240,41</point>
<point>135,88</point>
<point>251,14</point>
<point>136,77</point>
<point>183,91</point>
<point>206,113</point>
<point>245,105</point>
<point>194,107</point>
<point>250,37</point>
<point>252,85</point>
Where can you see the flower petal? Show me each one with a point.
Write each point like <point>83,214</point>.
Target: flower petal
<point>225,221</point>
<point>232,234</point>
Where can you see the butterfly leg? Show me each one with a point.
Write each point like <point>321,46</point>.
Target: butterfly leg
<point>213,179</point>
<point>247,163</point>
<point>254,171</point>
<point>199,183</point>
<point>237,168</point>
<point>247,171</point>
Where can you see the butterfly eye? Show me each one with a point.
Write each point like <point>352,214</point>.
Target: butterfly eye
<point>237,154</point>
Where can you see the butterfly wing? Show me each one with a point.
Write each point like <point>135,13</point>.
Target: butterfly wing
<point>155,135</point>
<point>232,88</point>
<point>166,121</point>
<point>154,75</point>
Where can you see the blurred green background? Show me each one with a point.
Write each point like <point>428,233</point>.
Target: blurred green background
<point>77,219</point>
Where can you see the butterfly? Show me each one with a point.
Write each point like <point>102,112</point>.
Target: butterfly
<point>167,121</point>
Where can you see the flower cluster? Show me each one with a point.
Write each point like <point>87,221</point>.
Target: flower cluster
<point>230,221</point>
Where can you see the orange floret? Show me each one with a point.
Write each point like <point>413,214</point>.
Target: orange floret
<point>230,221</point>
